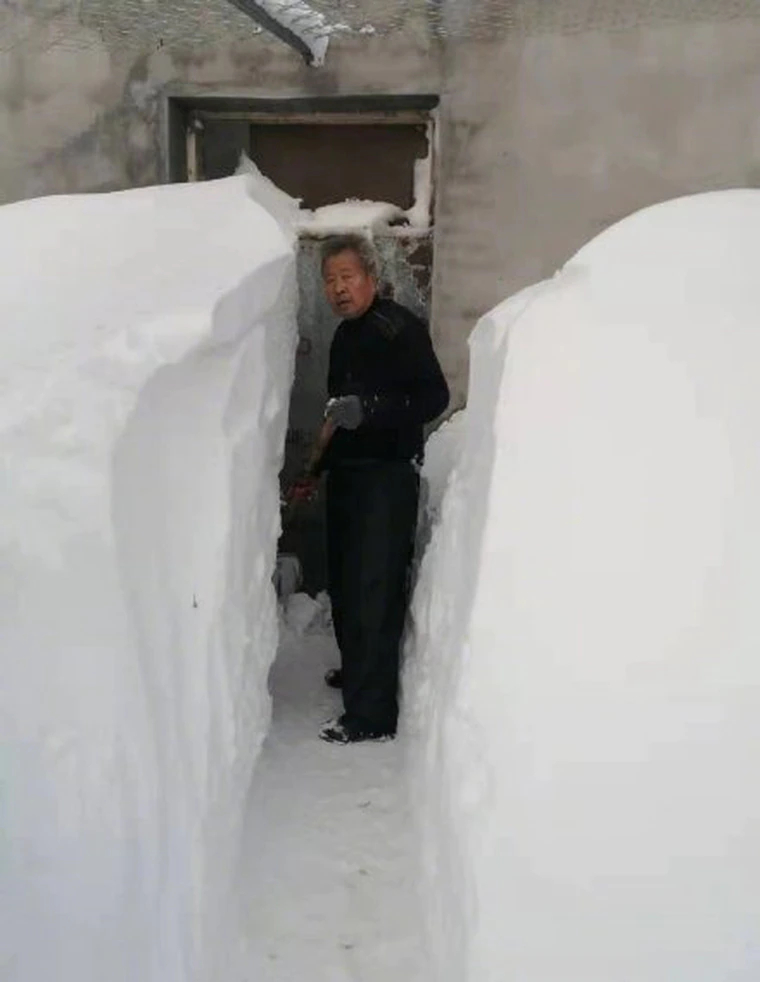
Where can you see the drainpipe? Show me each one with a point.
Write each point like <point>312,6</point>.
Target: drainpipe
<point>292,21</point>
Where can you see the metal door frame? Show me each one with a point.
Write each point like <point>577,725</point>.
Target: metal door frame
<point>185,115</point>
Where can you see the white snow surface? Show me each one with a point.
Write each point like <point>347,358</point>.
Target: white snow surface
<point>372,217</point>
<point>349,215</point>
<point>442,451</point>
<point>583,681</point>
<point>146,358</point>
<point>361,216</point>
<point>329,876</point>
<point>420,214</point>
<point>352,215</point>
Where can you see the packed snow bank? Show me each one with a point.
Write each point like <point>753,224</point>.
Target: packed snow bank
<point>146,358</point>
<point>585,685</point>
<point>442,451</point>
<point>360,216</point>
<point>369,218</point>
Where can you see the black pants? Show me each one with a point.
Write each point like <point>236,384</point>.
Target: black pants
<point>371,520</point>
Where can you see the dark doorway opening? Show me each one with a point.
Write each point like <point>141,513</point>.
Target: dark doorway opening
<point>343,160</point>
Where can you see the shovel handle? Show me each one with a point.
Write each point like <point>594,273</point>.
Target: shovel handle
<point>320,445</point>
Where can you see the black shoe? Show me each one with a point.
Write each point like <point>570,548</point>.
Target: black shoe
<point>337,731</point>
<point>334,678</point>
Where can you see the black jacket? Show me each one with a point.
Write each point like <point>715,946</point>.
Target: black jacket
<point>386,358</point>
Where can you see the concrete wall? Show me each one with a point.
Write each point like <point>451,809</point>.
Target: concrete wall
<point>557,118</point>
<point>82,93</point>
<point>548,139</point>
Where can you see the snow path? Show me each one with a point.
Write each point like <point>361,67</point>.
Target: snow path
<point>329,867</point>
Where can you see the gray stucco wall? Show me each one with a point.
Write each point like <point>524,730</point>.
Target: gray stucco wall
<point>82,92</point>
<point>557,119</point>
<point>548,139</point>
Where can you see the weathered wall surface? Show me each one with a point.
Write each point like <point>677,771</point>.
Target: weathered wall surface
<point>81,92</point>
<point>557,118</point>
<point>547,139</point>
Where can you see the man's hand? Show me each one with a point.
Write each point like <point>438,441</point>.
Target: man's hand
<point>304,489</point>
<point>346,412</point>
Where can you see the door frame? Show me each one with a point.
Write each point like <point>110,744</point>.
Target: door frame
<point>185,115</point>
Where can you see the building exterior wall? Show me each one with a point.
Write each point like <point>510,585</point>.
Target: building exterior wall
<point>83,92</point>
<point>548,138</point>
<point>556,119</point>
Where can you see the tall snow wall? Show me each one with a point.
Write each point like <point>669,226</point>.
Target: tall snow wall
<point>146,358</point>
<point>583,682</point>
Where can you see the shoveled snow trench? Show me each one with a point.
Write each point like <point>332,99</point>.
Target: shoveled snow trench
<point>328,875</point>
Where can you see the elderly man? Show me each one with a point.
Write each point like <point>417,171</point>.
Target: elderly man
<point>384,384</point>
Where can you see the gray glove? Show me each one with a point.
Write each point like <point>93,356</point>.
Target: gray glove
<point>346,412</point>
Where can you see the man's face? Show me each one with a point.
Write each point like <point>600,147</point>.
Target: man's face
<point>350,290</point>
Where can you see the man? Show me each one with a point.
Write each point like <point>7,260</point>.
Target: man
<point>384,384</point>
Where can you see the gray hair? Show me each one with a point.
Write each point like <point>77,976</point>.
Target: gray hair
<point>351,242</point>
